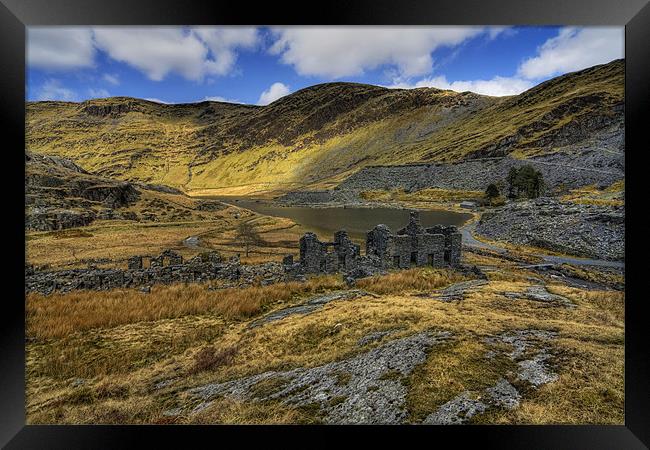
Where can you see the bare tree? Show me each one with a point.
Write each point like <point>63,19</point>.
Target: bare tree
<point>248,236</point>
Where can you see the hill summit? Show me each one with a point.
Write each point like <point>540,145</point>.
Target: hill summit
<point>319,135</point>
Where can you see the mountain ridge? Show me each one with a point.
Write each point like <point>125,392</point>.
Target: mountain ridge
<point>320,134</point>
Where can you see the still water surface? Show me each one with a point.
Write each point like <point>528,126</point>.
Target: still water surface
<point>357,221</point>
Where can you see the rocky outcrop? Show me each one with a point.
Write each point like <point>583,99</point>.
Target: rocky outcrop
<point>530,352</point>
<point>59,194</point>
<point>109,109</point>
<point>49,219</point>
<point>313,304</point>
<point>583,230</point>
<point>365,389</point>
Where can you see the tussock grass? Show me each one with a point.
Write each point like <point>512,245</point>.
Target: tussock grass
<point>58,315</point>
<point>209,358</point>
<point>451,370</point>
<point>262,413</point>
<point>410,280</point>
<point>588,354</point>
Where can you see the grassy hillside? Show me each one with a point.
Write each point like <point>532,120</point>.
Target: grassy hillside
<point>320,134</point>
<point>127,357</point>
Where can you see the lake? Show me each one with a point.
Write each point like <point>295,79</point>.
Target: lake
<point>357,221</point>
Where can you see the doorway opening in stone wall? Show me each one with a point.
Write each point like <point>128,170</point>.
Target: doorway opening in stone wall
<point>430,259</point>
<point>414,258</point>
<point>447,255</point>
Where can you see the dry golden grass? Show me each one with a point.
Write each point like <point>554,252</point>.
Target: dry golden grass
<point>432,194</point>
<point>589,352</point>
<point>591,195</point>
<point>451,370</point>
<point>590,389</point>
<point>118,240</point>
<point>404,281</point>
<point>242,413</point>
<point>58,315</point>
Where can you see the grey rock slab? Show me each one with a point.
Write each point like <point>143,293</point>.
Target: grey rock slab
<point>456,411</point>
<point>504,394</point>
<point>536,371</point>
<point>458,291</point>
<point>370,392</point>
<point>539,293</point>
<point>311,305</point>
<point>374,336</point>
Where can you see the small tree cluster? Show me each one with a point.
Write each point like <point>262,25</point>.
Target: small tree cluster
<point>525,181</point>
<point>493,195</point>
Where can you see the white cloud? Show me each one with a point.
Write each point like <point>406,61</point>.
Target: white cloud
<point>574,49</point>
<point>334,52</point>
<point>156,51</point>
<point>113,79</point>
<point>276,91</point>
<point>497,86</point>
<point>60,48</point>
<point>53,90</point>
<point>192,53</point>
<point>218,98</point>
<point>98,93</point>
<point>157,100</point>
<point>223,42</point>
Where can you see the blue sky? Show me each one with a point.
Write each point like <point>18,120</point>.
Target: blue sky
<point>257,65</point>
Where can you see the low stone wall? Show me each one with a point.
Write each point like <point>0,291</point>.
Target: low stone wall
<point>166,268</point>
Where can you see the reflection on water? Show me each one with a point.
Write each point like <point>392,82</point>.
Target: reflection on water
<point>357,221</point>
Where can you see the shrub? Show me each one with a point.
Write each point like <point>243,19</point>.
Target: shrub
<point>209,358</point>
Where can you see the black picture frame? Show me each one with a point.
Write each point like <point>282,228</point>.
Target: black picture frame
<point>15,15</point>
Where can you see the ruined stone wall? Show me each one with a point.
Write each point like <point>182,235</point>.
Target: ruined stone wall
<point>455,245</point>
<point>165,268</point>
<point>312,253</point>
<point>430,250</point>
<point>399,251</point>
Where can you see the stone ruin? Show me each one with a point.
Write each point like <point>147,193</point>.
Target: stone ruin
<point>413,245</point>
<point>166,268</point>
<point>410,246</point>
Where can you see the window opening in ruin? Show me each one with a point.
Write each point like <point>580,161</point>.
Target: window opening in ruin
<point>342,260</point>
<point>431,259</point>
<point>322,265</point>
<point>447,255</point>
<point>396,261</point>
<point>414,257</point>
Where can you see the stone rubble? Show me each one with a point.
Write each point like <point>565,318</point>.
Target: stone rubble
<point>583,230</point>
